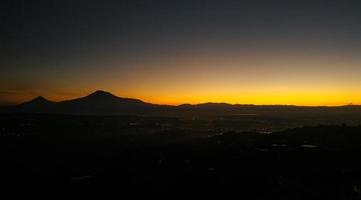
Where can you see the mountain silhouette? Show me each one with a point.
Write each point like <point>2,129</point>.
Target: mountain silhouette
<point>38,104</point>
<point>98,102</point>
<point>102,98</point>
<point>101,102</point>
<point>105,103</point>
<point>38,101</point>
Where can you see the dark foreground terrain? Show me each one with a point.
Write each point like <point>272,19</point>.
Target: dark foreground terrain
<point>178,156</point>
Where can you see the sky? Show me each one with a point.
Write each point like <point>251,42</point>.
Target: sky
<point>188,51</point>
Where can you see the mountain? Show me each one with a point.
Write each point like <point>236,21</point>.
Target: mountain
<point>97,103</point>
<point>101,102</point>
<point>102,98</point>
<point>37,105</point>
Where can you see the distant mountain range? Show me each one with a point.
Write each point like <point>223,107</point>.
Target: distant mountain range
<point>105,103</point>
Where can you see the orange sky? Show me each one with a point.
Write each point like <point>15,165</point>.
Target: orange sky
<point>299,78</point>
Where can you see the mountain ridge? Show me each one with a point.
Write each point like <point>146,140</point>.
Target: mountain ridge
<point>102,103</point>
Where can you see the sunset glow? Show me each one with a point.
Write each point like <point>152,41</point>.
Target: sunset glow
<point>233,56</point>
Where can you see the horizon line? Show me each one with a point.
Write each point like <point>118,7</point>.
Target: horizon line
<point>180,104</point>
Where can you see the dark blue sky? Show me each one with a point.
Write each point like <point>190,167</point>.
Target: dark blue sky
<point>55,28</point>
